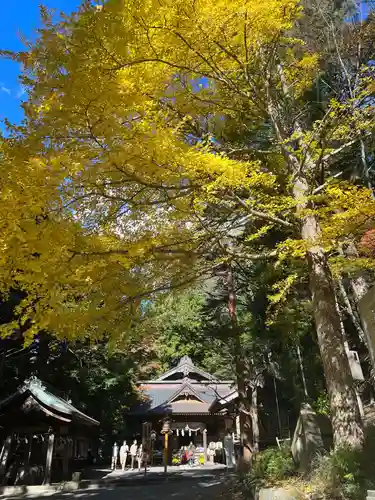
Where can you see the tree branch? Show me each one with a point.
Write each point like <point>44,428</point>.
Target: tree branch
<point>337,151</point>
<point>262,215</point>
<point>322,186</point>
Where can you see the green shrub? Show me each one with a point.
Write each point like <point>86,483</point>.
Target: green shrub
<point>274,464</point>
<point>339,475</point>
<point>270,466</point>
<point>321,405</point>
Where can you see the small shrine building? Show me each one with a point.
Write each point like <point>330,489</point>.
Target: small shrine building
<point>187,395</point>
<point>45,438</point>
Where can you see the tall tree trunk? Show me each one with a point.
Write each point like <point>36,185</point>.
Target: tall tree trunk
<point>244,405</point>
<point>245,417</point>
<point>345,415</point>
<point>361,287</point>
<point>366,309</point>
<point>350,310</point>
<point>255,418</point>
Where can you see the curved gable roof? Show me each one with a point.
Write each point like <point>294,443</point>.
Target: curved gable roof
<point>47,402</point>
<point>185,367</point>
<point>185,389</point>
<point>160,395</point>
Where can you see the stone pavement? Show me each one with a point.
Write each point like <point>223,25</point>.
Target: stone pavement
<point>193,485</point>
<point>180,483</point>
<point>157,473</point>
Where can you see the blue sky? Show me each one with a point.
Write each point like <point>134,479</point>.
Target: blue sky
<point>20,17</point>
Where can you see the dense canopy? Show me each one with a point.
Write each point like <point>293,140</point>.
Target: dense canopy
<point>165,140</point>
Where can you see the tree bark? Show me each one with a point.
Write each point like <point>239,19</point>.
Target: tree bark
<point>345,415</point>
<point>351,312</point>
<point>255,419</point>
<point>245,418</point>
<point>244,406</point>
<point>361,287</point>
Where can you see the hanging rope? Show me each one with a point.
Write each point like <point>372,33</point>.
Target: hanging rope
<point>187,430</point>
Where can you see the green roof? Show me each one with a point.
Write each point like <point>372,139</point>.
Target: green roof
<point>48,401</point>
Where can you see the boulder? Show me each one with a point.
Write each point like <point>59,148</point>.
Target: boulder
<point>311,436</point>
<point>281,494</point>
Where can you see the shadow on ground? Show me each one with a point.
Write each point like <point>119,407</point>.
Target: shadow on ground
<point>195,487</point>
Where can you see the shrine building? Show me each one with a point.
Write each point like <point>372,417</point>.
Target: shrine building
<point>188,396</point>
<point>45,438</point>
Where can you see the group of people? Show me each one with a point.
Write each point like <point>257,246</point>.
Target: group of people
<point>188,454</point>
<point>135,453</point>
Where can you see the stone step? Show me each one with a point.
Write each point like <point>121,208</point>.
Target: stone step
<point>370,495</point>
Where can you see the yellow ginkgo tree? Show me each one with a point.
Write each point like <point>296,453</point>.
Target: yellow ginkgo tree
<point>135,186</point>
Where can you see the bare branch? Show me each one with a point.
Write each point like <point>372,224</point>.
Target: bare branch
<point>338,150</point>
<point>253,257</point>
<point>322,186</point>
<point>262,215</point>
<point>350,310</point>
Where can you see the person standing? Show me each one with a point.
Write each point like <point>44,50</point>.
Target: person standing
<point>211,452</point>
<point>191,454</point>
<point>114,456</point>
<point>124,450</point>
<point>133,453</point>
<point>140,457</point>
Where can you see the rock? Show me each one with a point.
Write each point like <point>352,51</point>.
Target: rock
<point>29,475</point>
<point>76,477</point>
<point>281,494</point>
<point>309,437</point>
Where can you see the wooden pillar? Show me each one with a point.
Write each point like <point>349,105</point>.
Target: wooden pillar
<point>47,474</point>
<point>30,449</point>
<point>205,445</point>
<point>65,460</point>
<point>166,435</point>
<point>5,454</point>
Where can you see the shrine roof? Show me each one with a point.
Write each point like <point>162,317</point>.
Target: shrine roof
<point>161,398</point>
<point>186,368</point>
<point>192,407</point>
<point>206,391</point>
<point>166,393</point>
<point>52,405</point>
<point>221,403</point>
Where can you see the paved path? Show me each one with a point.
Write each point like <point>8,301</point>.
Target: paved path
<point>157,473</point>
<point>204,483</point>
<point>198,486</point>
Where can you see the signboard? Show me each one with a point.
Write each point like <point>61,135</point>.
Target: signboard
<point>146,441</point>
<point>355,366</point>
<point>146,432</point>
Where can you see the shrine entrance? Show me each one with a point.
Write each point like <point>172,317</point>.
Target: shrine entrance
<point>186,433</point>
<point>186,395</point>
